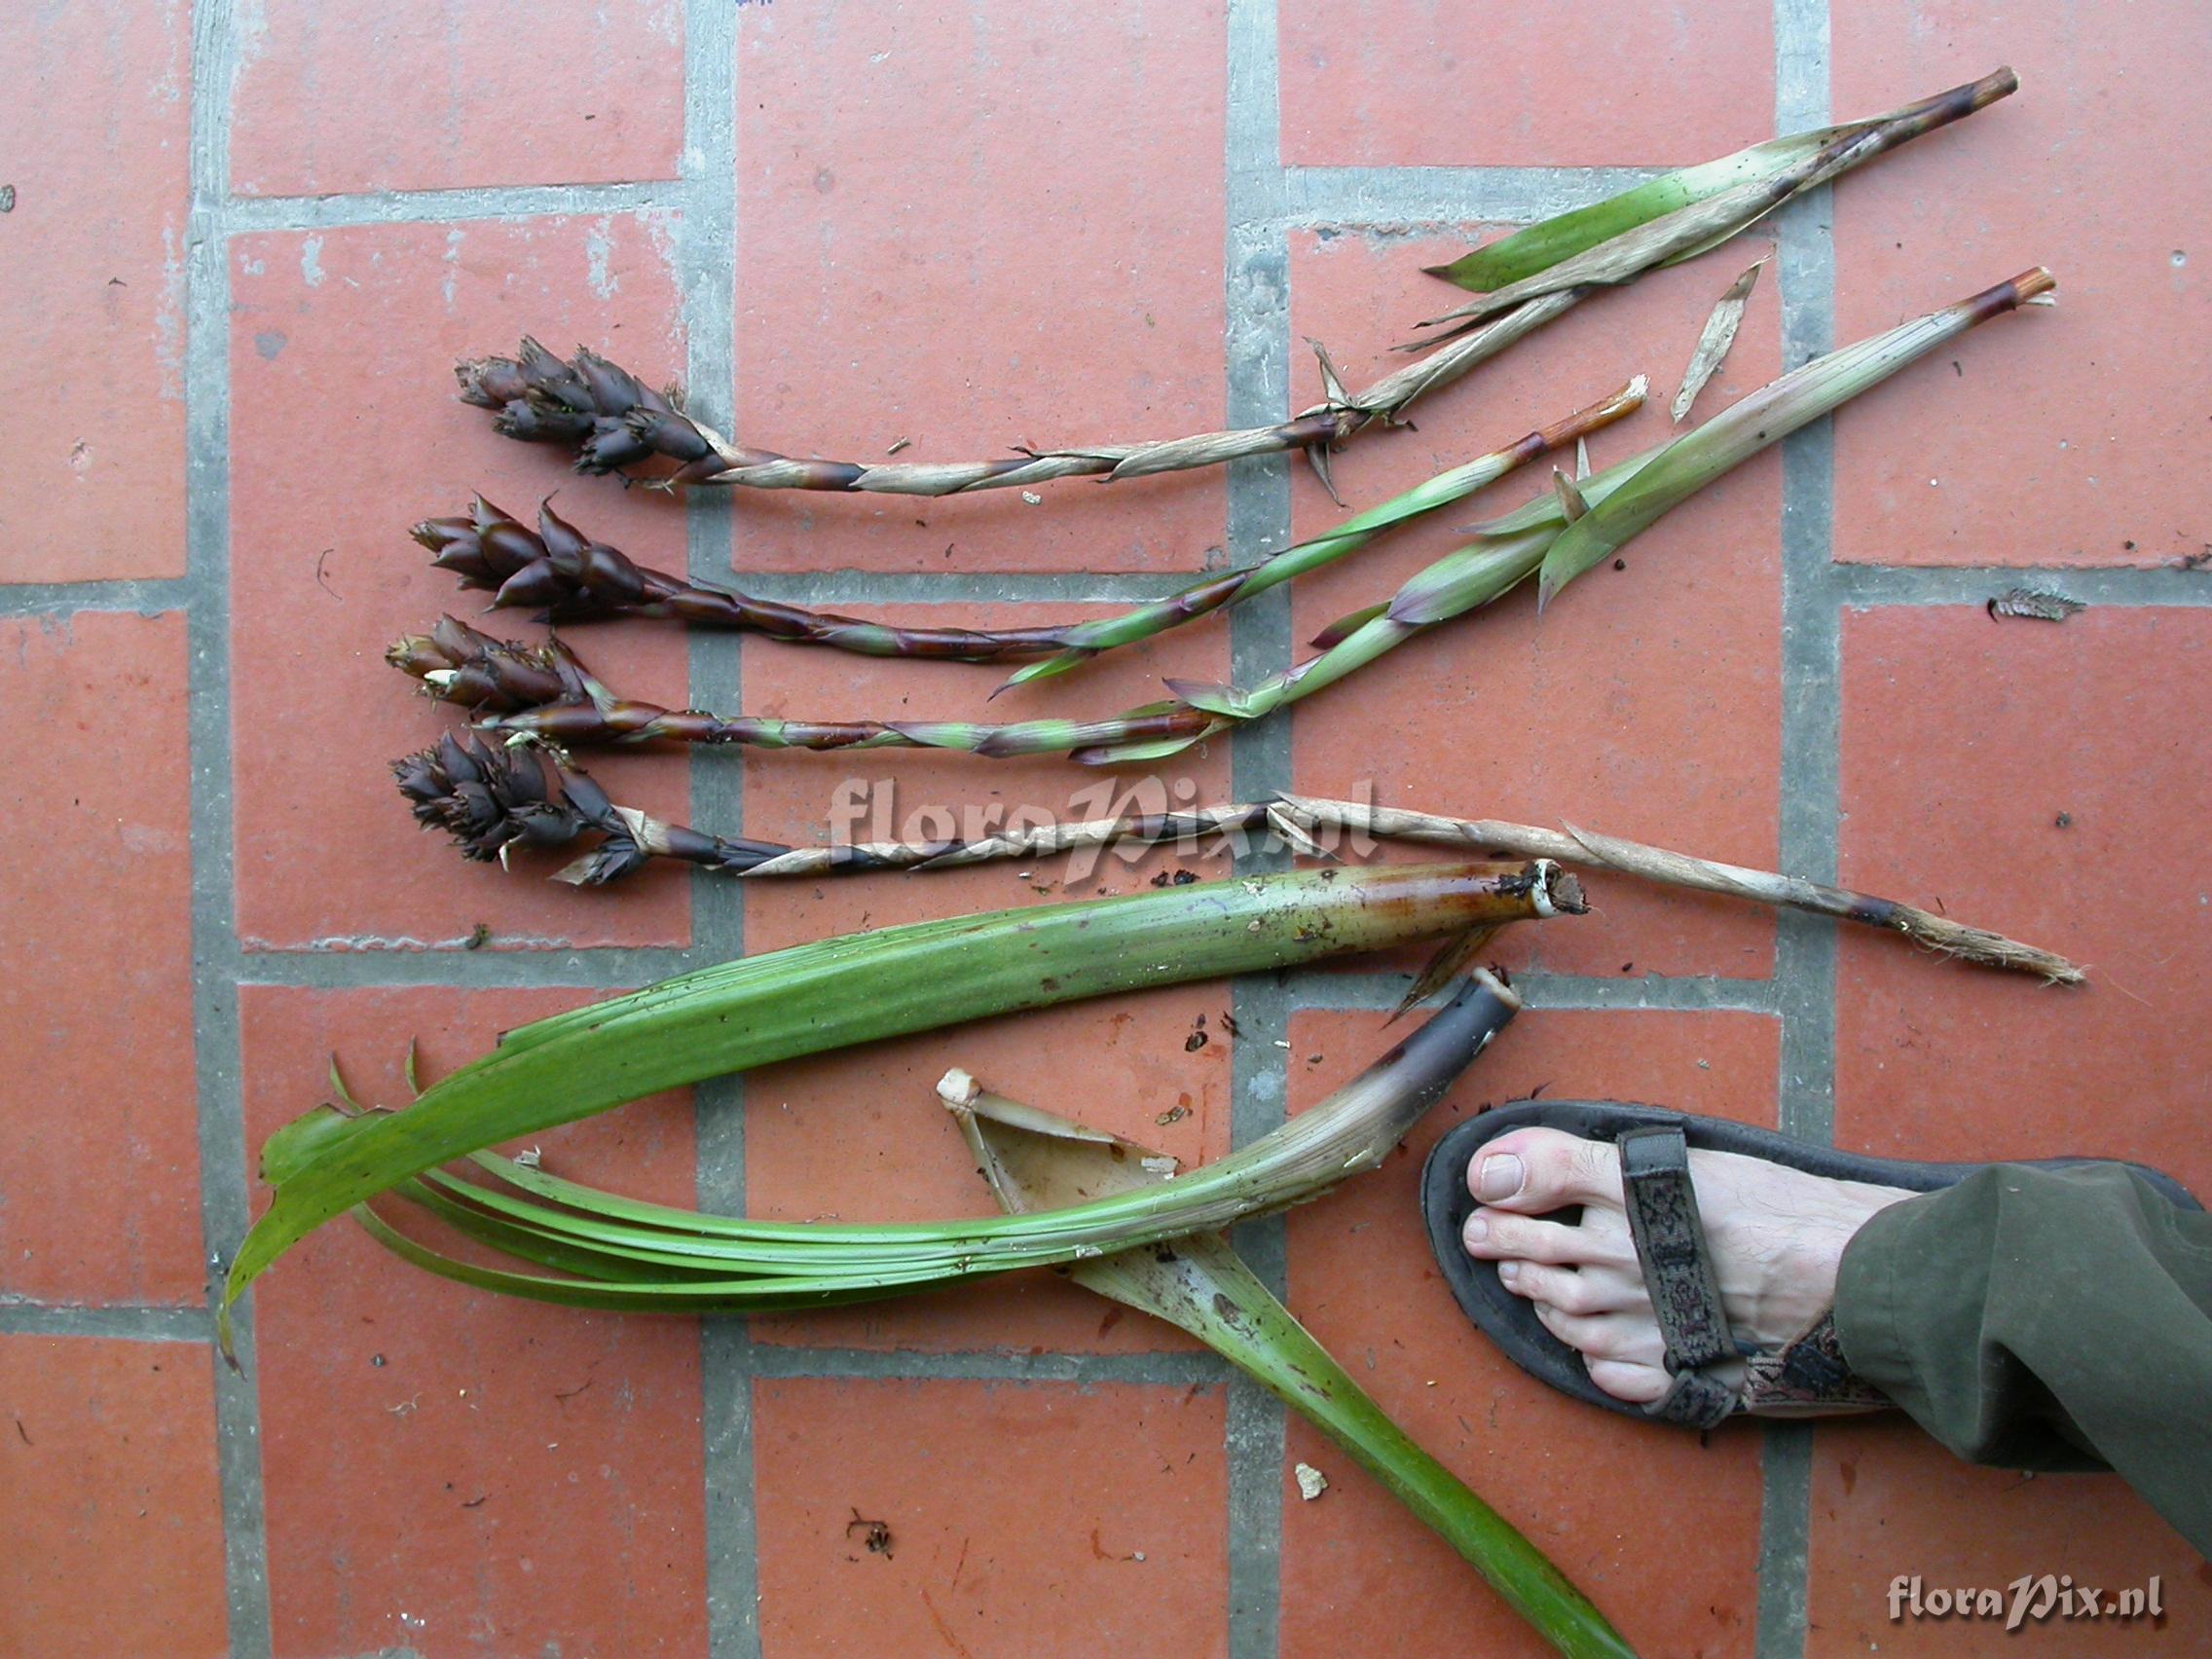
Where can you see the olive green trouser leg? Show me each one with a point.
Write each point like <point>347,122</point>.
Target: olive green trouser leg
<point>2045,1320</point>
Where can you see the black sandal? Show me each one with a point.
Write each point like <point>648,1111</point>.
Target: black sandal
<point>1808,1377</point>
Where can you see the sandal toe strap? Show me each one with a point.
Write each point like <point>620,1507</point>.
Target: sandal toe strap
<point>1678,1270</point>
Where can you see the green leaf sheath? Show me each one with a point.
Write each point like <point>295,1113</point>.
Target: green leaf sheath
<point>829,995</point>
<point>1765,417</point>
<point>1540,246</point>
<point>1086,640</point>
<point>1205,1288</point>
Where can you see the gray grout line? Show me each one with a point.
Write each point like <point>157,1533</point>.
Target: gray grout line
<point>1163,1369</point>
<point>138,1324</point>
<point>1865,586</point>
<point>248,214</point>
<point>608,968</point>
<point>1805,952</point>
<point>1420,198</point>
<point>1256,298</point>
<point>707,280</point>
<point>1319,989</point>
<point>146,596</point>
<point>223,1204</point>
<point>1858,585</point>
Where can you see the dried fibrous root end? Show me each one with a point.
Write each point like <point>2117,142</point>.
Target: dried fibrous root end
<point>1558,891</point>
<point>956,1089</point>
<point>1948,938</point>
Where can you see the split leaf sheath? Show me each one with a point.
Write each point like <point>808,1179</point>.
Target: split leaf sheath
<point>570,577</point>
<point>613,420</point>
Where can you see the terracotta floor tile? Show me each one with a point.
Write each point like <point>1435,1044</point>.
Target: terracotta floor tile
<point>1646,703</point>
<point>1981,770</point>
<point>1445,82</point>
<point>1572,1477</point>
<point>1887,1501</point>
<point>108,1501</point>
<point>100,1072</point>
<point>925,794</point>
<point>2064,437</point>
<point>1037,1520</point>
<point>447,1471</point>
<point>93,123</point>
<point>429,95</point>
<point>861,1136</point>
<point>343,432</point>
<point>969,234</point>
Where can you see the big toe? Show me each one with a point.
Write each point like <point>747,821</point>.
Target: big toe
<point>1537,1170</point>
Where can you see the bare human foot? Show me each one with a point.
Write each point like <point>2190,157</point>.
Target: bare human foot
<point>1777,1236</point>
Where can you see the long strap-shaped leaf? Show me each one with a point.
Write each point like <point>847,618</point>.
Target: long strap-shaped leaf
<point>829,995</point>
<point>629,1255</point>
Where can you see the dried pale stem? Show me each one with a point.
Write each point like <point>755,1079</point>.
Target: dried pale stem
<point>1298,821</point>
<point>1684,869</point>
<point>616,421</point>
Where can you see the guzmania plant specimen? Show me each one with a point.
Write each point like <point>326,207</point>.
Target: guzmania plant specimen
<point>568,578</point>
<point>1557,537</point>
<point>613,420</point>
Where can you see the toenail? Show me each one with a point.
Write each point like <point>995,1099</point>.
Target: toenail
<point>1477,1230</point>
<point>1501,1177</point>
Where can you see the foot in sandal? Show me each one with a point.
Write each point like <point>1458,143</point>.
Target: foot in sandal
<point>1773,1238</point>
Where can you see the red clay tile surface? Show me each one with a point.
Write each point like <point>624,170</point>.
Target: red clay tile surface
<point>1569,1477</point>
<point>108,1500</point>
<point>1884,1507</point>
<point>94,124</point>
<point>1042,1520</point>
<point>114,1213</point>
<point>1979,764</point>
<point>949,234</point>
<point>343,431</point>
<point>972,235</point>
<point>445,1472</point>
<point>862,1136</point>
<point>1445,82</point>
<point>334,99</point>
<point>1644,702</point>
<point>2064,437</point>
<point>1979,756</point>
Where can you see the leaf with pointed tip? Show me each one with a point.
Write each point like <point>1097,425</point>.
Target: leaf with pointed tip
<point>1537,247</point>
<point>1345,626</point>
<point>1765,417</point>
<point>1715,339</point>
<point>812,997</point>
